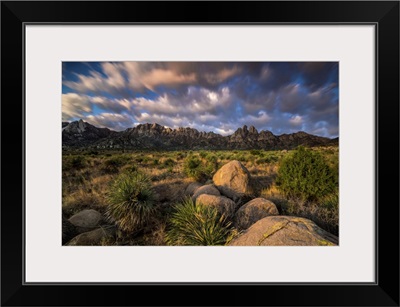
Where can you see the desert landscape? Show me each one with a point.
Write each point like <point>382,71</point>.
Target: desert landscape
<point>152,172</point>
<point>240,189</point>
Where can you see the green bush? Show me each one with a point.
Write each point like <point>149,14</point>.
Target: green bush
<point>212,162</point>
<point>241,157</point>
<point>255,152</point>
<point>180,156</point>
<point>261,161</point>
<point>306,175</point>
<point>203,154</point>
<point>74,162</point>
<point>196,169</point>
<point>131,201</point>
<point>194,224</point>
<point>331,201</point>
<point>139,159</point>
<point>112,165</point>
<point>168,163</point>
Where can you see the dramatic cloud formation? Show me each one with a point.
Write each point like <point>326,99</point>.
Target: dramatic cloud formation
<point>282,97</point>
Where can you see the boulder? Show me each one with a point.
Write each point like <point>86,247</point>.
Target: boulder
<point>192,187</point>
<point>68,230</point>
<point>94,237</point>
<point>285,231</point>
<point>223,204</point>
<point>253,211</point>
<point>233,180</point>
<point>86,220</point>
<point>209,189</point>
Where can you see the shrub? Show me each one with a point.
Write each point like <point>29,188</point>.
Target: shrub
<point>194,168</point>
<point>131,201</point>
<point>261,161</point>
<point>256,152</point>
<point>212,162</point>
<point>168,163</point>
<point>241,157</point>
<point>92,153</point>
<point>74,162</point>
<point>180,156</point>
<point>331,201</point>
<point>203,154</point>
<point>306,175</point>
<point>112,165</point>
<point>271,158</point>
<point>130,168</point>
<point>194,224</point>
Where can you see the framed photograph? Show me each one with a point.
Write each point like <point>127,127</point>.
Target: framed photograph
<point>243,147</point>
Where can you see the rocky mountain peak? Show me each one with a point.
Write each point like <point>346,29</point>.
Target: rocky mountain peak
<point>253,130</point>
<point>155,136</point>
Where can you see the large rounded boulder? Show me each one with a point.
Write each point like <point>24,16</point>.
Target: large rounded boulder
<point>94,237</point>
<point>86,220</point>
<point>192,187</point>
<point>285,231</point>
<point>233,180</point>
<point>208,189</point>
<point>223,204</point>
<point>253,211</point>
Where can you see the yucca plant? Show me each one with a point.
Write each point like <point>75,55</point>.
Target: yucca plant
<point>131,201</point>
<point>195,224</point>
<point>195,168</point>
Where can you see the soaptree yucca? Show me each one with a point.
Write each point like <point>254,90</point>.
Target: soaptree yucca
<point>131,201</point>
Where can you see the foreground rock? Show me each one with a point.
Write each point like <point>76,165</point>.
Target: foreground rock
<point>209,189</point>
<point>253,211</point>
<point>285,231</point>
<point>94,237</point>
<point>192,187</point>
<point>86,220</point>
<point>223,204</point>
<point>68,230</point>
<point>233,180</point>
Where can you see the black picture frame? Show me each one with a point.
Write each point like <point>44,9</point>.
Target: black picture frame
<point>383,14</point>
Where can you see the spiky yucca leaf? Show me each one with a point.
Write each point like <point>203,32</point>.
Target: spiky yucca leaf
<point>131,201</point>
<point>195,224</point>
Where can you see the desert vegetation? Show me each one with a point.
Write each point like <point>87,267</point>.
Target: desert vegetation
<point>153,197</point>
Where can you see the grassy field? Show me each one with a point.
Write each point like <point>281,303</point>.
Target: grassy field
<point>88,177</point>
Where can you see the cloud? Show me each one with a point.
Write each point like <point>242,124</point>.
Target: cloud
<point>296,120</point>
<point>111,81</point>
<point>317,74</point>
<point>114,121</point>
<point>260,120</point>
<point>293,99</point>
<point>196,102</point>
<point>74,106</point>
<point>222,75</point>
<point>114,105</point>
<point>165,77</point>
<point>141,76</point>
<point>282,97</point>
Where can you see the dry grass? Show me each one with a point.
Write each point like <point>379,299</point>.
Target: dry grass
<point>327,217</point>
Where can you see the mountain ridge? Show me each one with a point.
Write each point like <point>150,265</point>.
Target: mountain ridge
<point>154,136</point>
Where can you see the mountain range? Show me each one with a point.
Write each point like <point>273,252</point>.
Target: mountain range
<point>80,134</point>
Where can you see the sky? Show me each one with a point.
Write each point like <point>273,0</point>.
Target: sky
<point>282,97</point>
